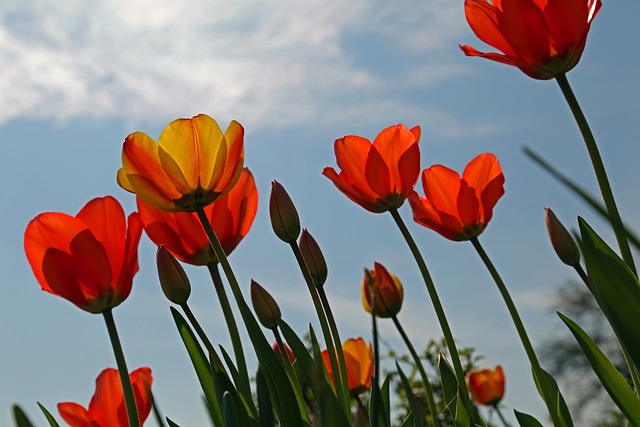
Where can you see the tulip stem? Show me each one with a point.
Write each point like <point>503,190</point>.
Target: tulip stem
<point>517,321</point>
<point>427,384</point>
<point>127,389</point>
<point>342,388</point>
<point>375,396</point>
<point>336,338</point>
<point>156,411</point>
<point>230,321</point>
<point>437,305</point>
<point>599,169</point>
<point>203,336</point>
<point>499,412</point>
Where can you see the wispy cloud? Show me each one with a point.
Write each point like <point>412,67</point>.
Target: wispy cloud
<point>267,62</point>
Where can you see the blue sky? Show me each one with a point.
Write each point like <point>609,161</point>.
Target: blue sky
<point>79,76</point>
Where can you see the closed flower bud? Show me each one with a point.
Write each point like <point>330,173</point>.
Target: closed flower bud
<point>265,306</point>
<point>314,258</point>
<point>284,217</point>
<point>388,292</point>
<point>174,281</point>
<point>561,240</point>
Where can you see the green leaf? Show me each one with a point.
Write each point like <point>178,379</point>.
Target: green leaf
<point>418,418</point>
<point>548,388</point>
<point>384,417</point>
<point>386,399</point>
<point>449,384</point>
<point>243,392</point>
<point>611,379</point>
<point>615,288</point>
<point>52,421</point>
<point>526,420</point>
<point>264,401</point>
<point>171,423</point>
<point>229,411</point>
<point>201,366</point>
<point>20,417</point>
<point>408,422</point>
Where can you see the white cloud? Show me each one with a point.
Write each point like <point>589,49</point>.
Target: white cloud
<point>268,62</point>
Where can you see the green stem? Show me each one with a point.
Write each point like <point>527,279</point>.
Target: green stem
<point>504,421</point>
<point>231,322</point>
<point>598,167</point>
<point>437,305</point>
<point>342,390</point>
<point>517,321</point>
<point>375,398</point>
<point>336,338</point>
<point>203,336</point>
<point>416,359</point>
<point>156,411</point>
<point>127,389</point>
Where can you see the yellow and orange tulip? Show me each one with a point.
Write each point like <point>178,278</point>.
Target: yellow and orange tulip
<point>358,358</point>
<point>192,164</point>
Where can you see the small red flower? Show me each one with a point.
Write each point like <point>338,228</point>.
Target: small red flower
<point>459,208</point>
<point>358,359</point>
<point>378,176</point>
<point>182,234</point>
<point>543,38</point>
<point>486,386</point>
<point>107,407</point>
<point>89,259</point>
<point>388,292</point>
<point>290,354</point>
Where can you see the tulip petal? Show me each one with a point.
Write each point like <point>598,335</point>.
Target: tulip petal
<point>409,168</point>
<point>523,25</point>
<point>228,167</point>
<point>377,173</point>
<point>484,174</point>
<point>351,156</point>
<point>441,186</point>
<point>107,404</point>
<point>482,19</point>
<point>61,279</point>
<point>353,193</point>
<point>130,266</point>
<point>468,205</point>
<point>105,218</point>
<point>144,172</point>
<point>75,415</point>
<point>567,25</point>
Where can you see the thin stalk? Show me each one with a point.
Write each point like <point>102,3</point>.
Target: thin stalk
<point>231,322</point>
<point>517,321</point>
<point>156,411</point>
<point>203,336</point>
<point>598,168</point>
<point>437,305</point>
<point>342,390</point>
<point>427,384</point>
<point>375,401</point>
<point>336,338</point>
<point>504,421</point>
<point>127,389</point>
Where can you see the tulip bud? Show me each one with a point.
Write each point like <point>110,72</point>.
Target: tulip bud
<point>174,281</point>
<point>265,306</point>
<point>389,293</point>
<point>284,217</point>
<point>561,240</point>
<point>313,257</point>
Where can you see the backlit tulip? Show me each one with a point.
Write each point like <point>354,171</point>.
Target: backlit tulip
<point>182,234</point>
<point>459,208</point>
<point>89,259</point>
<point>290,354</point>
<point>358,359</point>
<point>387,290</point>
<point>107,407</point>
<point>192,164</point>
<point>543,38</point>
<point>486,386</point>
<point>377,176</point>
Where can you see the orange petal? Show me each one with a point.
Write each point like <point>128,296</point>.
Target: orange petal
<point>107,406</point>
<point>229,167</point>
<point>75,415</point>
<point>441,186</point>
<point>365,200</point>
<point>523,25</point>
<point>377,174</point>
<point>481,16</point>
<point>130,264</point>
<point>484,174</point>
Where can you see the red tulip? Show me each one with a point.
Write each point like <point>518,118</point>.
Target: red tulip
<point>378,176</point>
<point>486,386</point>
<point>459,208</point>
<point>358,359</point>
<point>89,259</point>
<point>290,354</point>
<point>107,406</point>
<point>388,292</point>
<point>182,234</point>
<point>543,38</point>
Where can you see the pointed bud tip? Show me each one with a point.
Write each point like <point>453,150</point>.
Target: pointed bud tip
<point>265,307</point>
<point>561,240</point>
<point>173,279</point>
<point>283,213</point>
